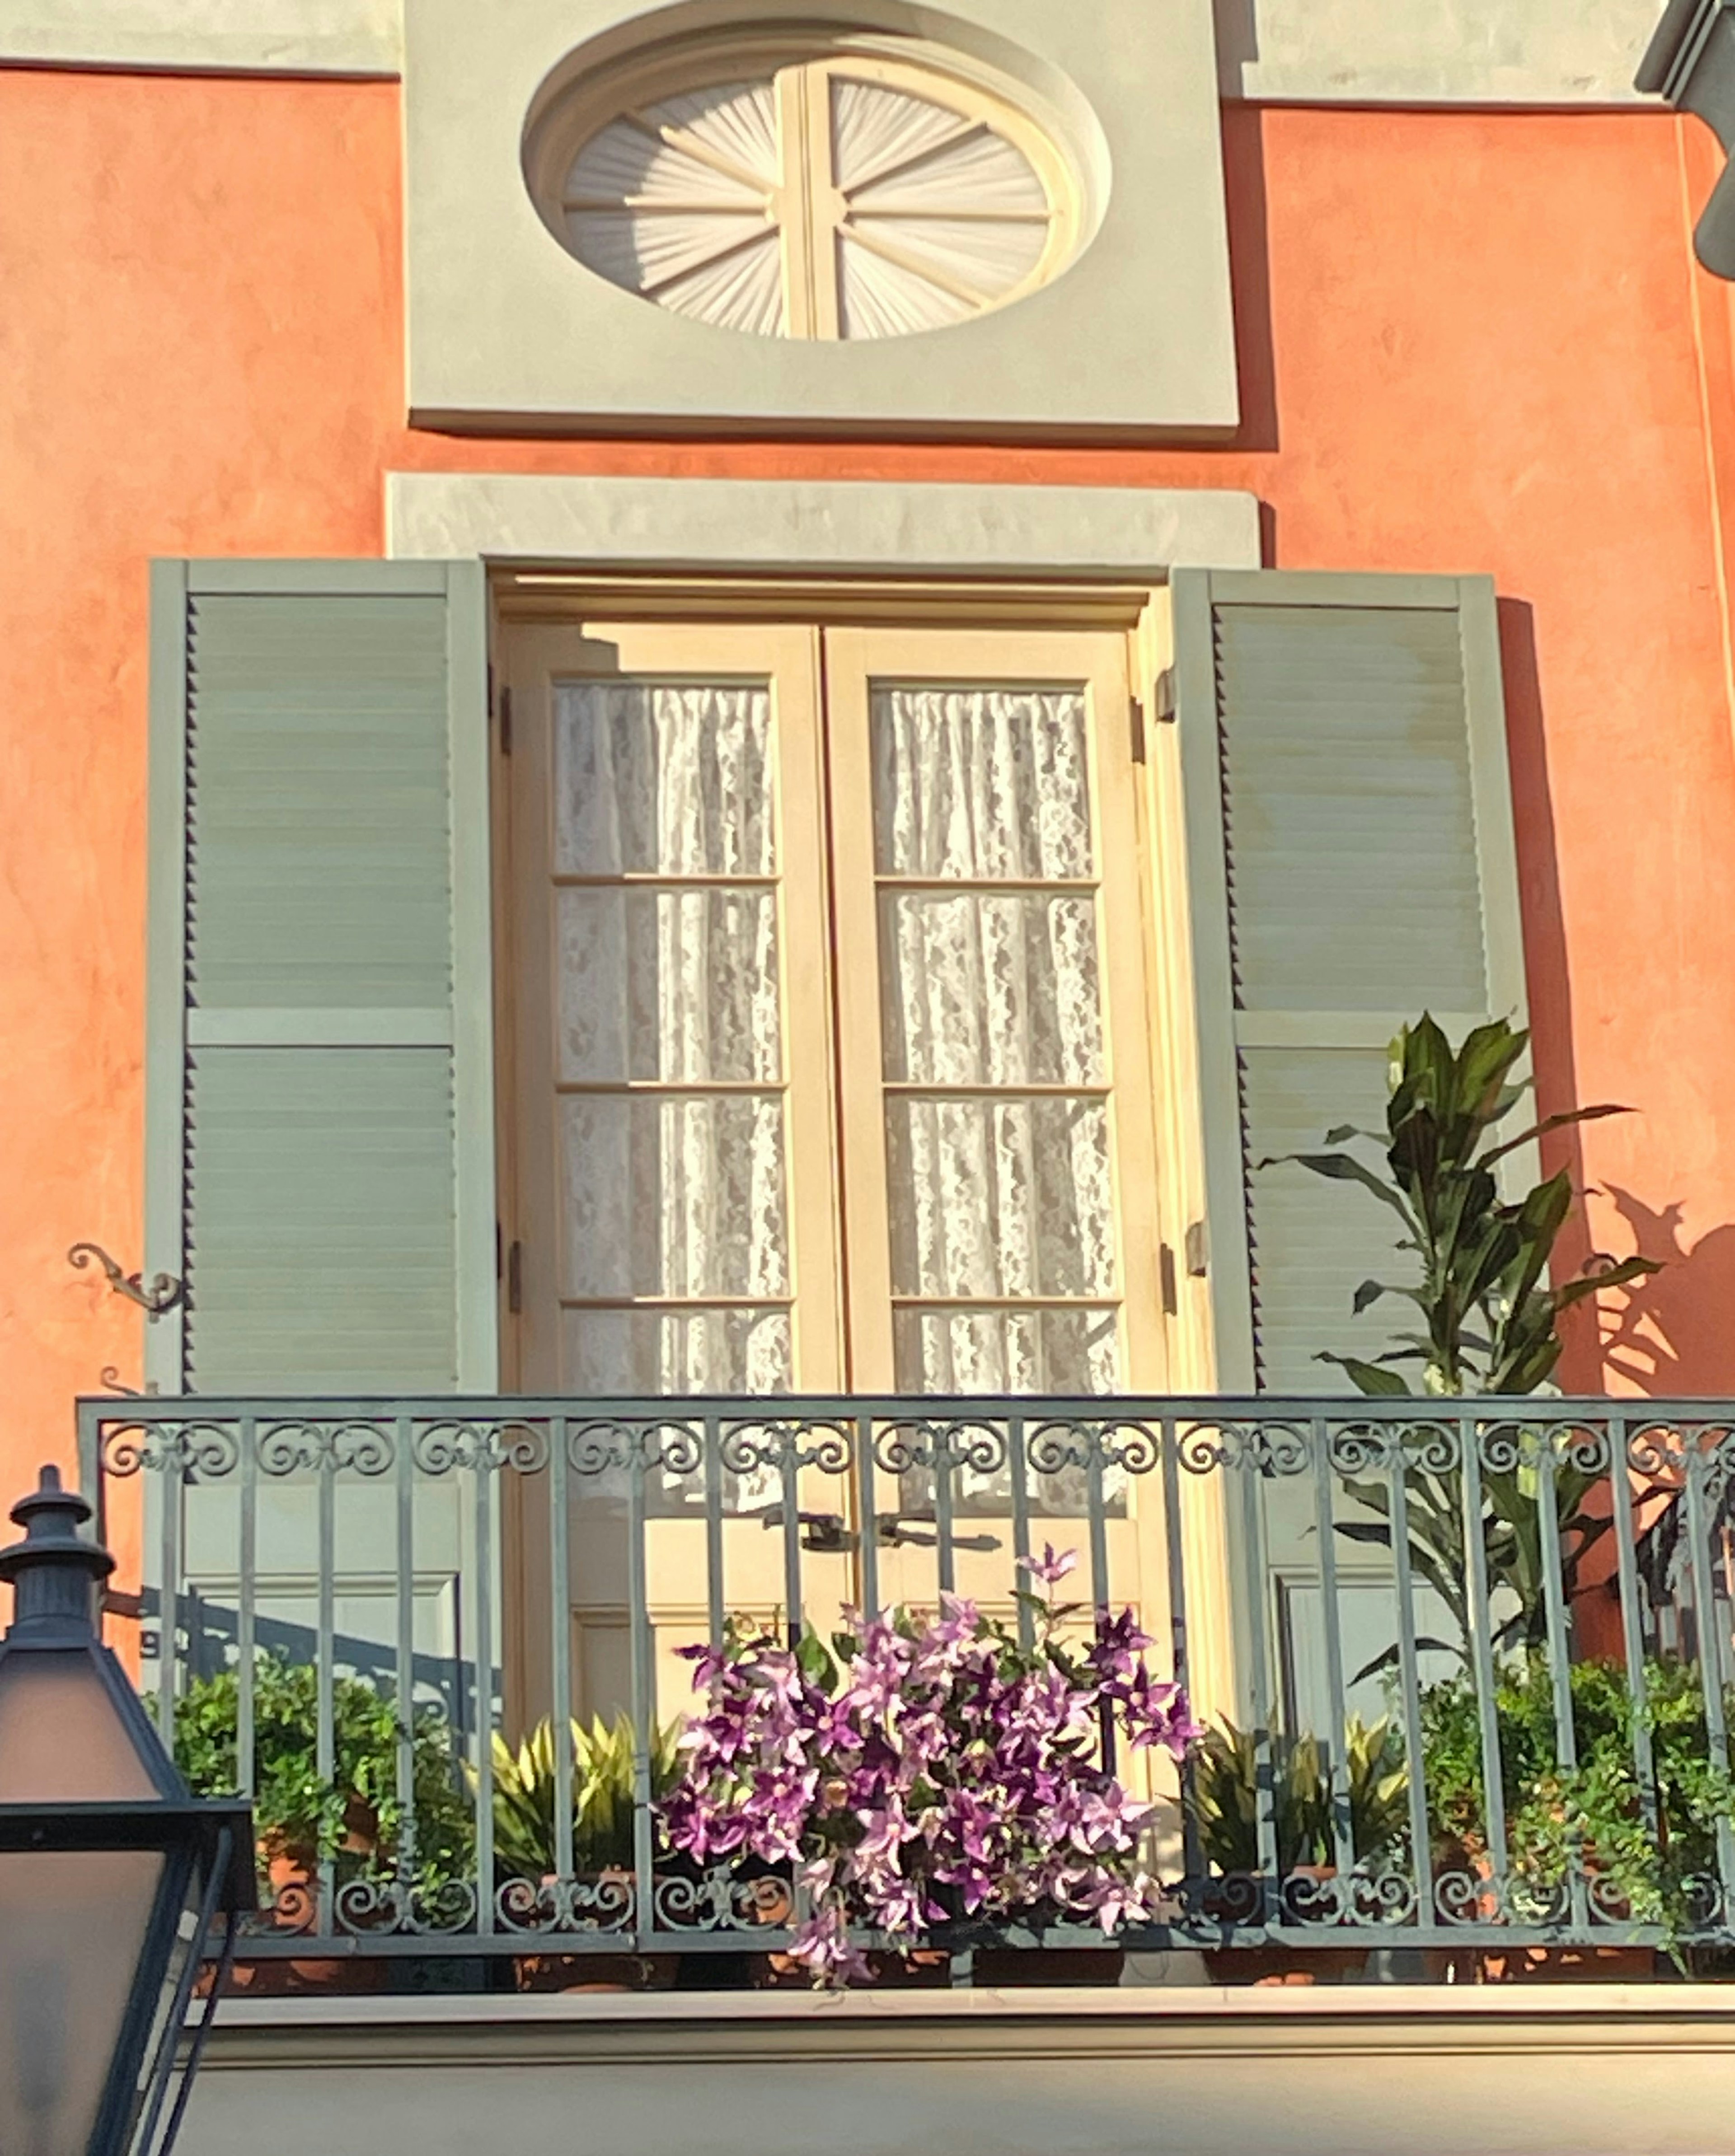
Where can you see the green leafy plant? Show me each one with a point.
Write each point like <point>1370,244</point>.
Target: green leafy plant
<point>1592,1816</point>
<point>1226,1787</point>
<point>525,1795</point>
<point>353,1815</point>
<point>1489,1319</point>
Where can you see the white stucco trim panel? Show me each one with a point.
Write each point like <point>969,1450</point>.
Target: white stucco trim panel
<point>1433,52</point>
<point>507,332</point>
<point>1546,52</point>
<point>243,36</point>
<point>839,526</point>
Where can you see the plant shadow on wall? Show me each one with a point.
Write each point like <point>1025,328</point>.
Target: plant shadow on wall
<point>1672,1338</point>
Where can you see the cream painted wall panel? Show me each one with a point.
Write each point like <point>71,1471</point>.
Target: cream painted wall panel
<point>1518,52</point>
<point>1448,51</point>
<point>266,37</point>
<point>506,330</point>
<point>835,525</point>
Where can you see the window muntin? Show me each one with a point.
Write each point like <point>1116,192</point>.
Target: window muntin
<point>825,197</point>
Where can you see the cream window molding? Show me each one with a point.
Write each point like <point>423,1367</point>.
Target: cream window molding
<point>830,527</point>
<point>1572,53</point>
<point>507,333</point>
<point>207,37</point>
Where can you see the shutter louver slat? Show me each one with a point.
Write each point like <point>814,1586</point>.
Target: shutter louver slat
<point>319,839</point>
<point>319,770</point>
<point>1350,833</point>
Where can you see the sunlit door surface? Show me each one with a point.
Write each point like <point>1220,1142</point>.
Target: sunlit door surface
<point>833,1069</point>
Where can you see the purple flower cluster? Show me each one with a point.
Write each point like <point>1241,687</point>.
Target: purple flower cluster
<point>929,1768</point>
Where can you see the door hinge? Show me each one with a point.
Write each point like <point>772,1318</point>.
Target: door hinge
<point>1137,717</point>
<point>506,721</point>
<point>515,1278</point>
<point>1170,1285</point>
<point>1165,696</point>
<point>1198,1251</point>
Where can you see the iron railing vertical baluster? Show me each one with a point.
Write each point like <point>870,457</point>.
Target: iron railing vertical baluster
<point>1343,1840</point>
<point>1632,1631</point>
<point>1476,1568</point>
<point>945,1448</point>
<point>560,1704</point>
<point>1096,1506</point>
<point>482,1442</point>
<point>1192,1859</point>
<point>1710,1652</point>
<point>1253,1471</point>
<point>246,1609</point>
<point>869,1502</point>
<point>1415,1755</point>
<point>404,1677</point>
<point>642,1680</point>
<point>790,1474</point>
<point>325,1650</point>
<point>1018,1466</point>
<point>93,1478</point>
<point>173,1472</point>
<point>716,1608</point>
<point>1558,1621</point>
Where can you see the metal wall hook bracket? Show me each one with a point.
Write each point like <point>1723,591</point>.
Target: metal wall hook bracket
<point>164,1292</point>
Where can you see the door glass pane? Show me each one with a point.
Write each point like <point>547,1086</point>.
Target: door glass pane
<point>674,984</point>
<point>985,988</point>
<point>673,1195</point>
<point>981,783</point>
<point>999,1180</point>
<point>662,777</point>
<point>674,1240</point>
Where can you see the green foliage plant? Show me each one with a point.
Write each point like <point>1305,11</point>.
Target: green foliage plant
<point>1226,1785</point>
<point>525,1795</point>
<point>1487,1316</point>
<point>1643,1845</point>
<point>352,1816</point>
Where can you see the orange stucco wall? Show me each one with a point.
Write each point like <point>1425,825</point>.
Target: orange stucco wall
<point>1470,341</point>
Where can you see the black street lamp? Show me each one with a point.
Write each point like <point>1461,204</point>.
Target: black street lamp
<point>111,1875</point>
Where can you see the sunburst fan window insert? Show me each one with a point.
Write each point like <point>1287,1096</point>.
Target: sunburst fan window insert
<point>840,199</point>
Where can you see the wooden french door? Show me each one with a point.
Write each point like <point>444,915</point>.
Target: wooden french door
<point>828,1050</point>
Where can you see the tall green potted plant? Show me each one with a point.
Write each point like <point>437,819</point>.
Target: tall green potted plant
<point>1487,1315</point>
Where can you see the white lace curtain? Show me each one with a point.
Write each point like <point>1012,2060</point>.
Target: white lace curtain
<point>997,1148</point>
<point>674,1189</point>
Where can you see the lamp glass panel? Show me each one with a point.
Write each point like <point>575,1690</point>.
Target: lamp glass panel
<point>62,1739</point>
<point>73,1932</point>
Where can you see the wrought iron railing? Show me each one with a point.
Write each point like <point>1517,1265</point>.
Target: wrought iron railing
<point>1470,1659</point>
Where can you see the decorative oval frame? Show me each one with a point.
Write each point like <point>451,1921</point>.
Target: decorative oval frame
<point>1023,100</point>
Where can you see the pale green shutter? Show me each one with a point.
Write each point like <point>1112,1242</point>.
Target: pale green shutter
<point>320,1122</point>
<point>1349,831</point>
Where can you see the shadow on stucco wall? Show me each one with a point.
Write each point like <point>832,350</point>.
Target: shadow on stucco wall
<point>1673,1334</point>
<point>1243,150</point>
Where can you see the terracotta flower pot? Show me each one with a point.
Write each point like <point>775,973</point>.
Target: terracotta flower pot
<point>293,1871</point>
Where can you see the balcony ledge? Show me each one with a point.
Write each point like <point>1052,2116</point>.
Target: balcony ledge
<point>1094,2021</point>
<point>1381,2071</point>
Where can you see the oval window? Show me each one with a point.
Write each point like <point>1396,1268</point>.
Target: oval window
<point>834,195</point>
